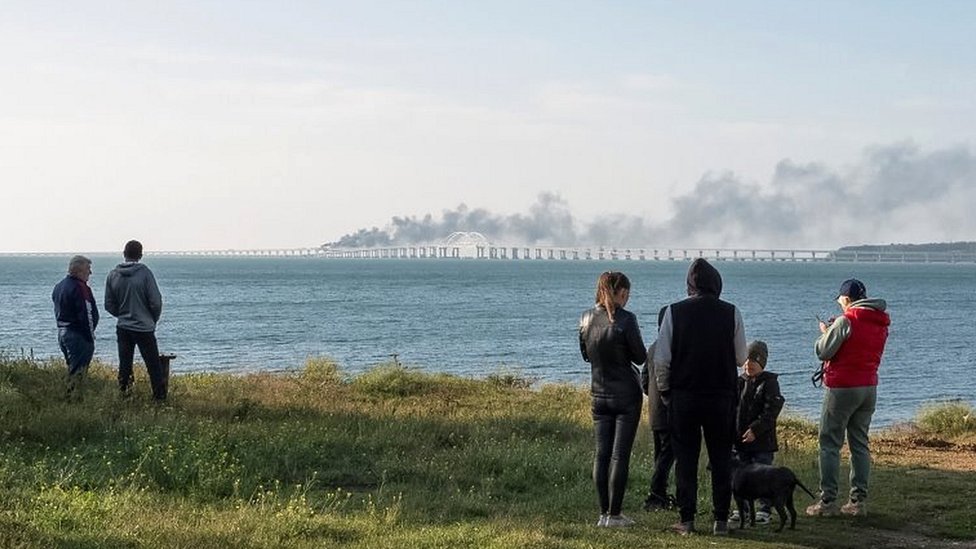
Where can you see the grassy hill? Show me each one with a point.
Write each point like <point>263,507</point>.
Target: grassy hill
<point>393,458</point>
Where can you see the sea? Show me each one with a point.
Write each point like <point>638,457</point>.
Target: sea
<point>475,318</point>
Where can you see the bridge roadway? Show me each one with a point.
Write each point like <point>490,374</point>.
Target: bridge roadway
<point>599,253</point>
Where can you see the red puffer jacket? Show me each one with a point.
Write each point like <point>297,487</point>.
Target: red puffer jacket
<point>856,362</point>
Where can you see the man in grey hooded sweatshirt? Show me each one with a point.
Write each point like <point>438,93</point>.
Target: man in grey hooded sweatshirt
<point>131,295</point>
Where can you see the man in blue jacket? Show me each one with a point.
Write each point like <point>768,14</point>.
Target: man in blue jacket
<point>77,317</point>
<point>132,296</point>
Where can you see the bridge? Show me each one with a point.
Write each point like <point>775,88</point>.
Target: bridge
<point>473,245</point>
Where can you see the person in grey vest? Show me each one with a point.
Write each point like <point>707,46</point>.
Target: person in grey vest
<point>77,317</point>
<point>132,296</point>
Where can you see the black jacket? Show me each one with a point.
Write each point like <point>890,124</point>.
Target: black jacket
<point>612,349</point>
<point>759,405</point>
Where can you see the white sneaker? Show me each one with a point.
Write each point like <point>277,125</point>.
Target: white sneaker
<point>619,521</point>
<point>602,522</point>
<point>762,517</point>
<point>734,515</point>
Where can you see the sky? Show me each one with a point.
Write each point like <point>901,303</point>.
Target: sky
<point>249,125</point>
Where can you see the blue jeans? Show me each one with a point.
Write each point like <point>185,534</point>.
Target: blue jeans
<point>78,353</point>
<point>765,458</point>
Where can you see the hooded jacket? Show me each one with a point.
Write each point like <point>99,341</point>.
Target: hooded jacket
<point>853,344</point>
<point>760,403</point>
<point>702,339</point>
<point>74,307</point>
<point>613,350</point>
<point>131,295</point>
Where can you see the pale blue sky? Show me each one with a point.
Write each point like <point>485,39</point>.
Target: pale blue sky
<point>263,124</point>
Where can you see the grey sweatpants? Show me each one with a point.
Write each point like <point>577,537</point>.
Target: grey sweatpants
<point>846,410</point>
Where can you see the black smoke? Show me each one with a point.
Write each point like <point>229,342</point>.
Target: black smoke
<point>895,193</point>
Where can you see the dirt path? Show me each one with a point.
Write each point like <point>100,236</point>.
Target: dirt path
<point>912,449</point>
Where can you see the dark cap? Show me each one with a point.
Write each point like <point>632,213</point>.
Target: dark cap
<point>758,351</point>
<point>853,288</point>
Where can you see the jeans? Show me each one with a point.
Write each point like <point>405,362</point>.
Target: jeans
<point>765,458</point>
<point>846,410</point>
<point>128,340</point>
<point>692,416</point>
<point>615,426</point>
<point>78,353</point>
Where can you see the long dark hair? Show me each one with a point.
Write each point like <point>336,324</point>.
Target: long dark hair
<point>607,286</point>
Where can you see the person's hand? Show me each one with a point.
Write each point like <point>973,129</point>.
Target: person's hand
<point>748,436</point>
<point>823,326</point>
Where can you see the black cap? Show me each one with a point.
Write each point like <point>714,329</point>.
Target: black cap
<point>853,288</point>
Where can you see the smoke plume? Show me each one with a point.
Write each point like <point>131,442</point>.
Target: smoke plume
<point>896,193</point>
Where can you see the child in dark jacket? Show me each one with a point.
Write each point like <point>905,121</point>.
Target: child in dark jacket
<point>759,405</point>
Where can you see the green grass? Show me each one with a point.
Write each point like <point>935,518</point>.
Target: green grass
<point>952,419</point>
<point>391,458</point>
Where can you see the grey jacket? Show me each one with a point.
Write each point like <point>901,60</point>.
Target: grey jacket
<point>131,295</point>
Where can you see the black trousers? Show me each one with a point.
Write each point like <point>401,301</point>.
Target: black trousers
<point>692,417</point>
<point>128,340</point>
<point>615,425</point>
<point>663,461</point>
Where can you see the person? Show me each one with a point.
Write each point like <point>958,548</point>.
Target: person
<point>77,317</point>
<point>610,341</point>
<point>851,347</point>
<point>699,348</point>
<point>760,403</point>
<point>131,295</point>
<point>658,497</point>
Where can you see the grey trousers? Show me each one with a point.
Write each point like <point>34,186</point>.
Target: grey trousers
<point>846,411</point>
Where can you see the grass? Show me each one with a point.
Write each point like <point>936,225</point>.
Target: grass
<point>391,458</point>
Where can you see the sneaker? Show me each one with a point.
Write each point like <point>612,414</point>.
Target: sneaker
<point>762,517</point>
<point>618,521</point>
<point>822,509</point>
<point>734,516</point>
<point>684,528</point>
<point>855,508</point>
<point>720,528</point>
<point>602,522</point>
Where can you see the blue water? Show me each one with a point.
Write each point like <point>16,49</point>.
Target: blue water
<point>474,317</point>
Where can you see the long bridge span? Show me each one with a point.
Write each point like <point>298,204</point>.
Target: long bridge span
<point>476,246</point>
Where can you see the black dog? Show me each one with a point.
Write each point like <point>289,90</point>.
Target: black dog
<point>753,481</point>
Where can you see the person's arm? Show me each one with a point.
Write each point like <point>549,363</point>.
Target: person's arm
<point>662,356</point>
<point>772,405</point>
<point>831,340</point>
<point>584,323</point>
<point>155,299</point>
<point>741,347</point>
<point>635,344</point>
<point>94,308</point>
<point>111,304</point>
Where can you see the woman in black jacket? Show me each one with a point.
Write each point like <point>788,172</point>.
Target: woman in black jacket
<point>610,341</point>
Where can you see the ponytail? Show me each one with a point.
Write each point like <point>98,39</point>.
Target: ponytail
<point>607,287</point>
